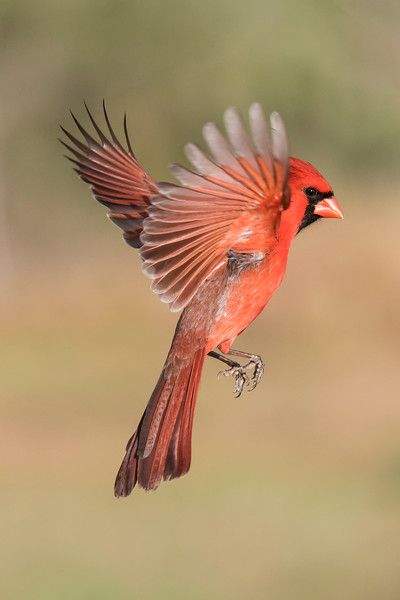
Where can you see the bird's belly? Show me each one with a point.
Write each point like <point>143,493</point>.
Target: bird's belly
<point>243,300</point>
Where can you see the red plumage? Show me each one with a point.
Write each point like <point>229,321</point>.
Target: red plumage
<point>216,246</point>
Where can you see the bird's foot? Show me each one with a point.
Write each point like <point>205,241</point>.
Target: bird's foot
<point>241,375</point>
<point>259,368</point>
<point>235,369</point>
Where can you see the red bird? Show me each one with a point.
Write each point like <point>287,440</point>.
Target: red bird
<point>216,246</point>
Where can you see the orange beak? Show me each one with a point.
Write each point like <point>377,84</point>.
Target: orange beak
<point>328,207</point>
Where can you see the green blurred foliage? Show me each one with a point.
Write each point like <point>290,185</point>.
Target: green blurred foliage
<point>330,67</point>
<point>294,491</point>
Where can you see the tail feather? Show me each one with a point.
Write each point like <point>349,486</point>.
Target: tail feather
<point>154,413</point>
<point>151,470</point>
<point>180,449</point>
<point>161,446</point>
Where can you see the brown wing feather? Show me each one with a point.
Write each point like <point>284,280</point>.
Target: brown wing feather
<point>192,226</point>
<point>115,176</point>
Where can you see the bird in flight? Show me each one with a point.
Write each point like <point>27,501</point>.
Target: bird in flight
<point>215,246</point>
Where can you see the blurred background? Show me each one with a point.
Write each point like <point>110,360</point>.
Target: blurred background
<point>294,491</point>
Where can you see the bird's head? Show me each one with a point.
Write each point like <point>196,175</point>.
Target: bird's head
<point>311,197</point>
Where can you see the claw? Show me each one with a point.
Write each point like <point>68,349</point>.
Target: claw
<point>240,373</point>
<point>240,382</point>
<point>241,378</point>
<point>259,369</point>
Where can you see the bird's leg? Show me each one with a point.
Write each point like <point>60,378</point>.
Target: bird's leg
<point>255,362</point>
<point>235,369</point>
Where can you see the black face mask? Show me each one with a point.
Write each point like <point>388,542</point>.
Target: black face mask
<point>313,196</point>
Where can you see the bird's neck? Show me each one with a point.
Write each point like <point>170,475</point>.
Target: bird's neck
<point>292,217</point>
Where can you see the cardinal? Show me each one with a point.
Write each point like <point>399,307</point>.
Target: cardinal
<point>215,246</point>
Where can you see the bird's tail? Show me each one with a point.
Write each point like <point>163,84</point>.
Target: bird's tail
<point>160,448</point>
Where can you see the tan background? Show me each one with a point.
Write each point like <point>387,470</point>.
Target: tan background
<point>294,491</point>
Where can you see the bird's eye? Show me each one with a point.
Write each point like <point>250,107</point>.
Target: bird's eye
<point>311,192</point>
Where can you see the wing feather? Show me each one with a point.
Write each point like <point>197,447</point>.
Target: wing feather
<point>186,230</point>
<point>219,147</point>
<point>260,133</point>
<point>238,136</point>
<point>114,175</point>
<point>191,226</point>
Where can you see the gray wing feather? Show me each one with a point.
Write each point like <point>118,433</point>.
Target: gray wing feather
<point>220,149</point>
<point>260,133</point>
<point>238,136</point>
<point>280,148</point>
<point>203,164</point>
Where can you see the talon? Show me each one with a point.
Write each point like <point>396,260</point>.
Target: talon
<point>259,368</point>
<point>239,372</point>
<point>240,381</point>
<point>241,378</point>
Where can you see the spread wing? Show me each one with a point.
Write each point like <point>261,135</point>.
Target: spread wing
<point>231,201</point>
<point>115,176</point>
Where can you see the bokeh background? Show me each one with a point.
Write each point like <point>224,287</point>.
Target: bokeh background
<point>294,491</point>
